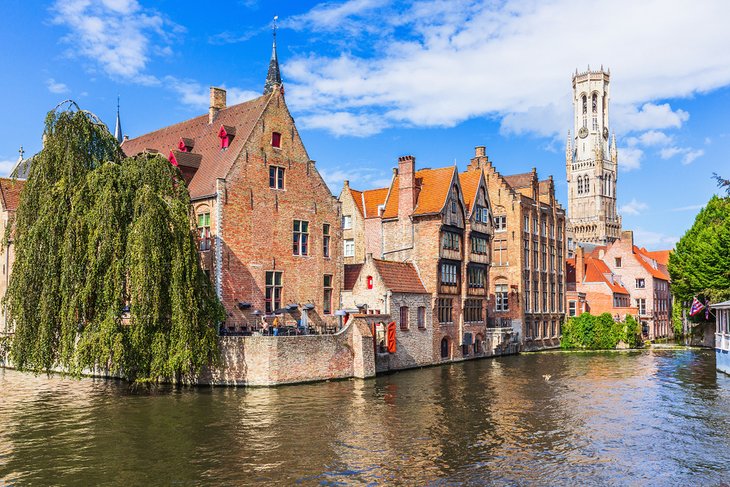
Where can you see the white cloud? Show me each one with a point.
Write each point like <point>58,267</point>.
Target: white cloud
<point>633,207</point>
<point>650,139</point>
<point>56,87</point>
<point>688,208</point>
<point>629,158</point>
<point>120,36</point>
<point>688,154</point>
<point>363,178</point>
<point>438,63</point>
<point>654,240</point>
<point>7,165</point>
<point>196,95</point>
<point>345,123</point>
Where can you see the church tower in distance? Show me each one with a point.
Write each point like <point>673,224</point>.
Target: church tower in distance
<point>591,163</point>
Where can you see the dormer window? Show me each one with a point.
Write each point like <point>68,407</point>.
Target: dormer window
<point>185,144</point>
<point>226,135</point>
<point>172,159</point>
<point>276,140</point>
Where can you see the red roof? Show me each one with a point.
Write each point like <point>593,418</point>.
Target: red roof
<point>10,192</point>
<point>400,277</point>
<point>661,256</point>
<point>215,162</point>
<point>598,271</point>
<point>352,271</point>
<point>652,266</point>
<point>357,196</point>
<point>373,198</point>
<point>469,185</point>
<point>570,270</point>
<point>433,185</point>
<point>519,180</point>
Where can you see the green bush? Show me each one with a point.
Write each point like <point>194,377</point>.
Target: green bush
<point>589,332</point>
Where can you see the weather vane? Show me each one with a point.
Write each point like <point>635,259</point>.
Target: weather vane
<point>276,17</point>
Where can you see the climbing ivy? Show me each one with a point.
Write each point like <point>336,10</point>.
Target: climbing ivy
<point>106,273</point>
<point>590,332</point>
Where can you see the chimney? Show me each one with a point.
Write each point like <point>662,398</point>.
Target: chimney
<point>406,186</point>
<point>579,265</point>
<point>627,237</point>
<point>217,102</point>
<point>479,160</point>
<point>480,151</point>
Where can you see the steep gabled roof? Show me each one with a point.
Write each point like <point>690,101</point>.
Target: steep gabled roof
<point>598,271</point>
<point>469,185</point>
<point>652,266</point>
<point>10,193</point>
<point>400,277</point>
<point>373,198</point>
<point>433,189</point>
<point>357,197</point>
<point>216,162</point>
<point>661,256</point>
<point>545,186</point>
<point>352,271</point>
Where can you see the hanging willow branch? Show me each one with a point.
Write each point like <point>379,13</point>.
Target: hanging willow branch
<point>97,232</point>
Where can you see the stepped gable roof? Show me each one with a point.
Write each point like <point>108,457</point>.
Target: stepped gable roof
<point>352,272</point>
<point>432,190</point>
<point>544,186</point>
<point>598,271</point>
<point>469,184</point>
<point>522,180</point>
<point>372,198</point>
<point>10,193</point>
<point>651,265</point>
<point>400,277</point>
<point>216,162</point>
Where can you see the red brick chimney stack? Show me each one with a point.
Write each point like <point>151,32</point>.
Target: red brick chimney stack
<point>406,186</point>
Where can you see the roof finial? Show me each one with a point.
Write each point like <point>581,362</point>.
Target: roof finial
<point>273,78</point>
<point>21,152</point>
<point>118,128</point>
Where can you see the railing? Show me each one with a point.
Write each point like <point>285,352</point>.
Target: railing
<point>722,341</point>
<point>499,322</point>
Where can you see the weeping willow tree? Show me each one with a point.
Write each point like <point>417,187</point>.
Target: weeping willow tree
<point>106,273</point>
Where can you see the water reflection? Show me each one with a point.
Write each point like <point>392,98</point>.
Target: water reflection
<point>649,418</point>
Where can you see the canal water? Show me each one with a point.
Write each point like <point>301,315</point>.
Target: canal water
<point>633,418</point>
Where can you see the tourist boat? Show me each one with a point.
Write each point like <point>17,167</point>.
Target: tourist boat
<point>722,335</point>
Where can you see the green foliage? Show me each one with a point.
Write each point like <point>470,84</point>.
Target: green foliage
<point>677,324</point>
<point>589,332</point>
<point>96,232</point>
<point>700,264</point>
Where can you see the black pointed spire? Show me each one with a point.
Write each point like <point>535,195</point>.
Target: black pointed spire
<point>273,78</point>
<point>118,129</point>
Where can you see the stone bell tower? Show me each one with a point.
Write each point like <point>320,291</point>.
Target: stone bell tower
<point>591,162</point>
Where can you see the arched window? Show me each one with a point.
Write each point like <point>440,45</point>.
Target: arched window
<point>586,185</point>
<point>585,104</point>
<point>595,103</point>
<point>445,347</point>
<point>580,185</point>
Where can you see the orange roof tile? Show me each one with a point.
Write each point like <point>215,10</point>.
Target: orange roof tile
<point>660,271</point>
<point>10,192</point>
<point>400,277</point>
<point>469,184</point>
<point>357,196</point>
<point>598,271</point>
<point>373,198</point>
<point>433,188</point>
<point>661,256</point>
<point>215,162</point>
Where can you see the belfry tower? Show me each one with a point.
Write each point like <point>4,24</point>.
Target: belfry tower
<point>591,162</point>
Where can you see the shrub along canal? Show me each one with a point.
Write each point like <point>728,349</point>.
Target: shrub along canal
<point>655,417</point>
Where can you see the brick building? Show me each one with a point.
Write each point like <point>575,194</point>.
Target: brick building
<point>593,288</point>
<point>395,289</point>
<point>360,216</point>
<point>9,198</point>
<point>269,227</point>
<point>647,279</point>
<point>439,221</point>
<point>527,275</point>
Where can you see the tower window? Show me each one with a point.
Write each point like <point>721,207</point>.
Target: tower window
<point>585,104</point>
<point>586,186</point>
<point>580,185</point>
<point>595,103</point>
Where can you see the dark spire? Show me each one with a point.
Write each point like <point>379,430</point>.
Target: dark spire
<point>118,129</point>
<point>273,78</point>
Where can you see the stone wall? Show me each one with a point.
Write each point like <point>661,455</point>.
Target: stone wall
<point>268,361</point>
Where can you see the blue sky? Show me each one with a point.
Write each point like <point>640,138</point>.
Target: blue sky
<point>369,80</point>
